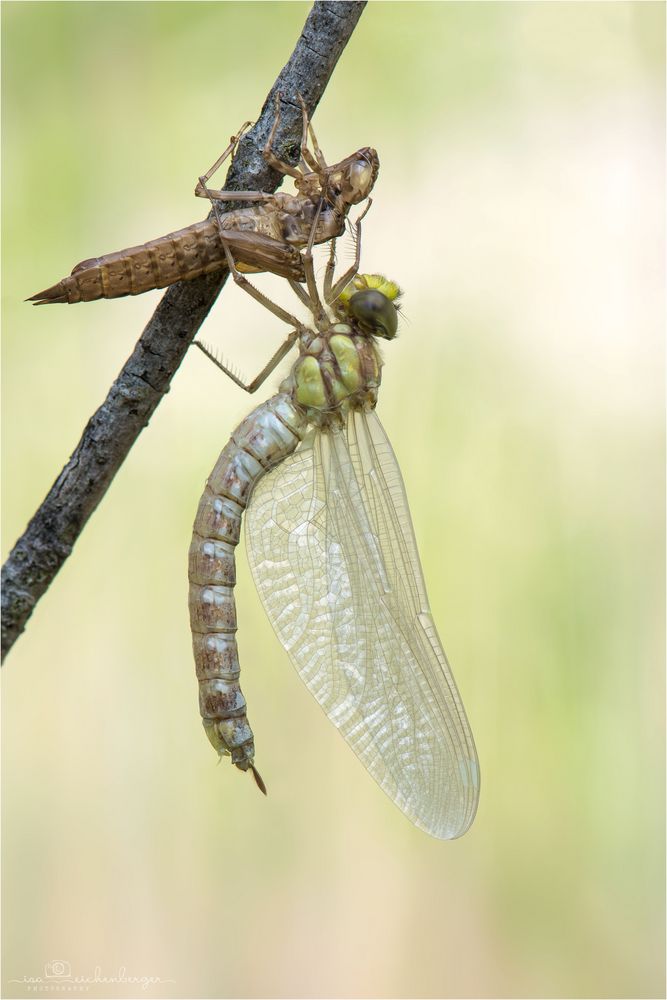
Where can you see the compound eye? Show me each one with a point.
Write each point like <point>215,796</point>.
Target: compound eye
<point>375,312</point>
<point>361,180</point>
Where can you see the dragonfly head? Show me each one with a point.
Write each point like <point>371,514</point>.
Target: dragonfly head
<point>372,300</point>
<point>351,181</point>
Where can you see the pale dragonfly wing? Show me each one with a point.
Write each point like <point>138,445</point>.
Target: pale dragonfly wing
<point>334,558</point>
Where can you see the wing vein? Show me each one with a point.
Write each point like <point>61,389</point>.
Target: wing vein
<point>333,554</point>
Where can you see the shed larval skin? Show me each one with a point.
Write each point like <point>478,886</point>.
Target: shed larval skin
<point>266,235</point>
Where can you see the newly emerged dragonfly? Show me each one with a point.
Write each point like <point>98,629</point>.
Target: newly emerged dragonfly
<point>333,555</point>
<point>266,235</point>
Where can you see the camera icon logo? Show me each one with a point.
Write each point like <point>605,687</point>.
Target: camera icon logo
<point>57,969</point>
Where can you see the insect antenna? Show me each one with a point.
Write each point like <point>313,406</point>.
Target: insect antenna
<point>404,316</point>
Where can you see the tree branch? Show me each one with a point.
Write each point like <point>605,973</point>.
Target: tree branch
<point>147,374</point>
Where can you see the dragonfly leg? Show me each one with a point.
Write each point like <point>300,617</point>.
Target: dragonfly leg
<point>201,191</point>
<point>300,292</point>
<point>243,283</point>
<point>312,162</point>
<point>329,273</point>
<point>231,148</point>
<point>270,366</point>
<point>268,153</point>
<point>316,162</point>
<point>331,293</point>
<point>306,161</point>
<point>314,303</point>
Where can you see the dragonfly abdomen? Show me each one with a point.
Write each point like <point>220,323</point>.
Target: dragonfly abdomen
<point>179,256</point>
<point>183,254</point>
<point>264,439</point>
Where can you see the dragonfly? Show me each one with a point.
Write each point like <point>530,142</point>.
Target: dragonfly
<point>333,555</point>
<point>267,234</point>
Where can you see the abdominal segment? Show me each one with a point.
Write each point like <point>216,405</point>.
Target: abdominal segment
<point>263,440</point>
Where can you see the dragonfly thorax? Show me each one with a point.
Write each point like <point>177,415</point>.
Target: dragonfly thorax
<point>339,366</point>
<point>338,369</point>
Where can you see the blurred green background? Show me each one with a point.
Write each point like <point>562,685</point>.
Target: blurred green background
<point>520,205</point>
